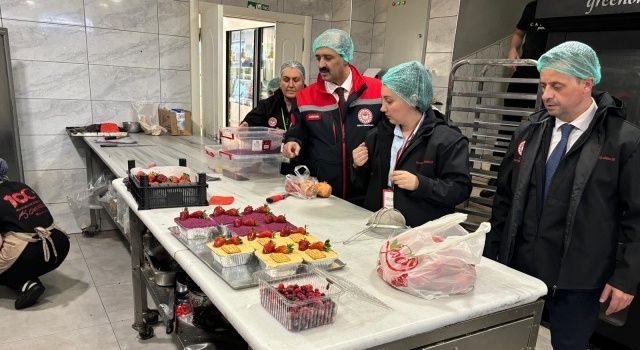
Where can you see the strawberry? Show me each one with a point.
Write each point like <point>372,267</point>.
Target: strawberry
<point>218,242</point>
<point>198,214</point>
<point>152,177</point>
<point>264,209</point>
<point>162,178</point>
<point>437,239</point>
<point>269,248</point>
<point>237,222</point>
<point>217,211</point>
<point>285,231</point>
<point>185,176</point>
<point>235,240</point>
<point>252,235</point>
<point>184,215</point>
<point>184,181</point>
<point>232,212</point>
<point>265,234</point>
<point>280,219</point>
<point>174,179</point>
<point>247,210</point>
<point>300,229</point>
<point>268,218</point>
<point>326,246</point>
<point>303,245</point>
<point>249,222</point>
<point>285,249</point>
<point>140,174</point>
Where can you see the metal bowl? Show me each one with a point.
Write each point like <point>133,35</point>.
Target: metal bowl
<point>131,126</point>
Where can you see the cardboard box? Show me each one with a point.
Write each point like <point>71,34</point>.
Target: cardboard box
<point>176,121</point>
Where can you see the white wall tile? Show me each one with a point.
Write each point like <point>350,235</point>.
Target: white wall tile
<point>51,11</point>
<point>33,79</point>
<point>46,42</point>
<point>440,94</point>
<point>133,15</point>
<point>175,86</point>
<point>47,116</point>
<point>124,83</point>
<point>53,186</point>
<point>377,60</point>
<point>122,48</point>
<point>318,9</point>
<point>317,27</point>
<point>362,10</point>
<point>377,42</point>
<point>361,33</point>
<point>173,17</point>
<point>112,111</point>
<point>342,25</point>
<point>444,8</point>
<point>45,152</point>
<point>442,32</point>
<point>439,65</point>
<point>341,10</point>
<point>175,52</point>
<point>380,10</point>
<point>273,4</point>
<point>361,60</point>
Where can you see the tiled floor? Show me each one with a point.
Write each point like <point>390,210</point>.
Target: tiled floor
<point>88,304</point>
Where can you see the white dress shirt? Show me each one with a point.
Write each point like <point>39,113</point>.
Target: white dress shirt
<point>580,125</point>
<point>331,87</point>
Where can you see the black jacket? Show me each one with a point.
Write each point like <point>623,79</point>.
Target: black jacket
<point>270,110</point>
<point>601,233</point>
<point>438,155</point>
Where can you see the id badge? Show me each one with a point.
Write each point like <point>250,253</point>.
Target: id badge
<point>387,198</point>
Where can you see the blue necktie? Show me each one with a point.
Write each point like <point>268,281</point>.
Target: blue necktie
<point>556,156</point>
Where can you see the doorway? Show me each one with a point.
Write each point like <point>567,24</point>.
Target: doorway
<point>240,50</point>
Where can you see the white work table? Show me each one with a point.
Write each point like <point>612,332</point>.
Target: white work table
<point>501,294</point>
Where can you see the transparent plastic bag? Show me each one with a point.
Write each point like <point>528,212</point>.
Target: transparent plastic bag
<point>433,260</point>
<point>302,184</point>
<point>87,199</point>
<point>148,118</point>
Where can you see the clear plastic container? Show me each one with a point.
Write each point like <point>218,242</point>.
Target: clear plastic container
<point>250,166</point>
<point>300,315</point>
<point>252,140</point>
<point>213,157</point>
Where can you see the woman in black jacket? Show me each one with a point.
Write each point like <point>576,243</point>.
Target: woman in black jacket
<point>413,161</point>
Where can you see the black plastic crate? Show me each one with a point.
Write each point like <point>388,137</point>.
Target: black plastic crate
<point>167,196</point>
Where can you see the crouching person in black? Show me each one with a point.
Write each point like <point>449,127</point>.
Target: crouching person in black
<point>30,244</point>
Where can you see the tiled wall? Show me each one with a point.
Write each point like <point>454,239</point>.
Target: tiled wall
<point>443,20</point>
<point>79,62</point>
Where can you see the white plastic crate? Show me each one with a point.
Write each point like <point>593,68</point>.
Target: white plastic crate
<point>250,166</point>
<point>252,140</point>
<point>213,157</point>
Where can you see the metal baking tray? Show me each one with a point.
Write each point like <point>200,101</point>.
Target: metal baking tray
<point>237,277</point>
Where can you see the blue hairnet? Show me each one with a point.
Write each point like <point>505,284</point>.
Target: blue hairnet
<point>293,64</point>
<point>337,40</point>
<point>4,169</point>
<point>572,58</point>
<point>273,84</point>
<point>411,82</point>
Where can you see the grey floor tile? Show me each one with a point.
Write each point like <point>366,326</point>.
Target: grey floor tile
<point>117,300</point>
<point>105,243</point>
<point>57,311</point>
<point>74,249</point>
<point>128,337</point>
<point>97,337</point>
<point>71,274</point>
<point>107,270</point>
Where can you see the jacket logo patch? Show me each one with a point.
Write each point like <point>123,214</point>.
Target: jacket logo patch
<point>272,121</point>
<point>313,117</point>
<point>521,148</point>
<point>365,116</point>
<point>424,162</point>
<point>607,158</point>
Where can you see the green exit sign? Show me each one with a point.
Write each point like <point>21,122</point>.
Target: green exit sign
<point>257,5</point>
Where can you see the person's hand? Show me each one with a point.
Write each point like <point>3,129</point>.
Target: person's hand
<point>360,155</point>
<point>513,55</point>
<point>291,149</point>
<point>619,299</point>
<point>243,124</point>
<point>404,180</point>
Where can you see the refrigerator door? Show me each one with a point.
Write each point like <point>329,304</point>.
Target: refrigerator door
<point>9,136</point>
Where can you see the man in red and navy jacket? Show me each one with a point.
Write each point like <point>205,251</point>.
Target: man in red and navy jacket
<point>332,116</point>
